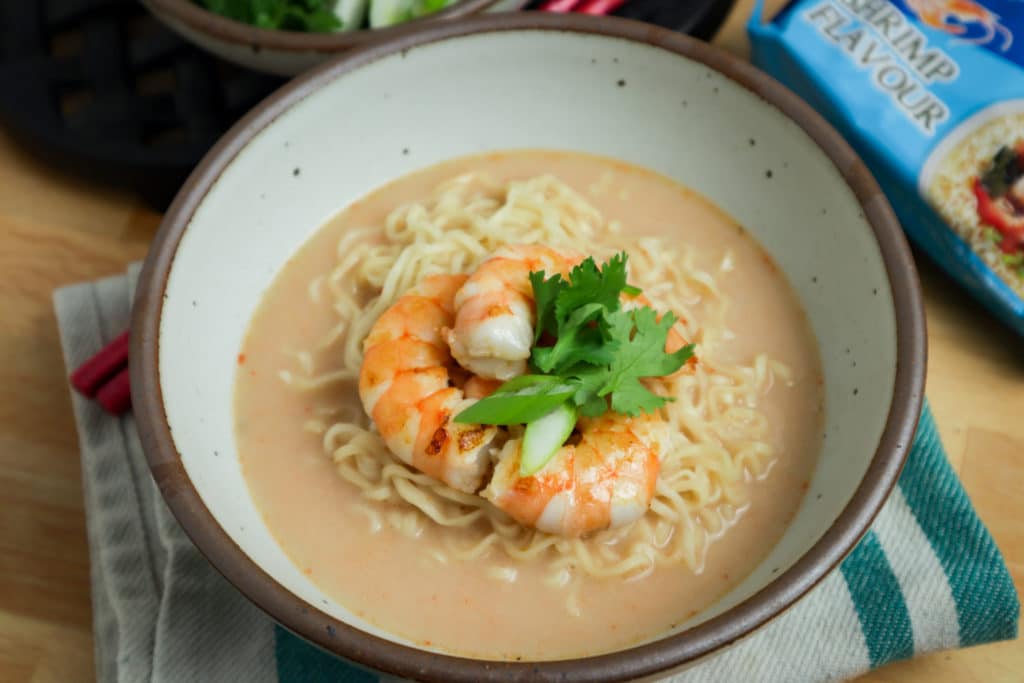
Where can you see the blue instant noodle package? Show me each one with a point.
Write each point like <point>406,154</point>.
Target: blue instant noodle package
<point>931,95</point>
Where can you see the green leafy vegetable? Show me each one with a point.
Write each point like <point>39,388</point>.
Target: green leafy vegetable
<point>640,353</point>
<point>1006,166</point>
<point>322,16</point>
<point>284,15</point>
<point>351,13</point>
<point>588,397</point>
<point>430,6</point>
<point>599,355</point>
<point>589,285</point>
<point>580,340</point>
<point>1013,260</point>
<point>572,311</point>
<point>389,12</point>
<point>545,293</point>
<point>992,235</point>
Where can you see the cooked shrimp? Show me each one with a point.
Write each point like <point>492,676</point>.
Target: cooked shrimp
<point>494,319</point>
<point>605,480</point>
<point>478,387</point>
<point>405,386</point>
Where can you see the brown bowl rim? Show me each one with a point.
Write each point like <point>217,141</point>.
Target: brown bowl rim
<point>384,655</point>
<point>209,23</point>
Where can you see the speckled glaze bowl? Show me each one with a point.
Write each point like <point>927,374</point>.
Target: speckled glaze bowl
<point>605,86</point>
<point>287,53</point>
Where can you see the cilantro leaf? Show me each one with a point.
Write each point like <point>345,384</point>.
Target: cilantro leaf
<point>573,312</point>
<point>589,382</point>
<point>319,21</point>
<point>545,293</point>
<point>590,285</point>
<point>641,354</point>
<point>632,398</point>
<point>578,341</point>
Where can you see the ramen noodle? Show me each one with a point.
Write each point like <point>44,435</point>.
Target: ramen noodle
<point>931,94</point>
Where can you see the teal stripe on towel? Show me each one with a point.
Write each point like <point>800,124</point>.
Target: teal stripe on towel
<point>986,601</point>
<point>301,662</point>
<point>876,594</point>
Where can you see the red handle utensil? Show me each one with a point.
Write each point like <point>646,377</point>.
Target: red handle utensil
<point>559,5</point>
<point>104,376</point>
<point>599,6</point>
<point>116,395</point>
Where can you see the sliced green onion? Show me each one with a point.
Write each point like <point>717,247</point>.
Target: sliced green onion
<point>543,438</point>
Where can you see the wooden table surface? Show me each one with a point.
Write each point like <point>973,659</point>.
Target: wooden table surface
<point>57,229</point>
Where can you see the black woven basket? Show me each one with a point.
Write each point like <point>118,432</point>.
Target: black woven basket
<point>99,87</point>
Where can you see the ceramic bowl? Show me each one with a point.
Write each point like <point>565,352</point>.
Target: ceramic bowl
<point>287,53</point>
<point>605,86</point>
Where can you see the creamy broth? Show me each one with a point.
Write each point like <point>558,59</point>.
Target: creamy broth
<point>388,578</point>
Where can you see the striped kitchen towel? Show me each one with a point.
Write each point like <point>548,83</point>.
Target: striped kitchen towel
<point>926,577</point>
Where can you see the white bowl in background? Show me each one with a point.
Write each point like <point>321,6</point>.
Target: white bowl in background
<point>288,53</point>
